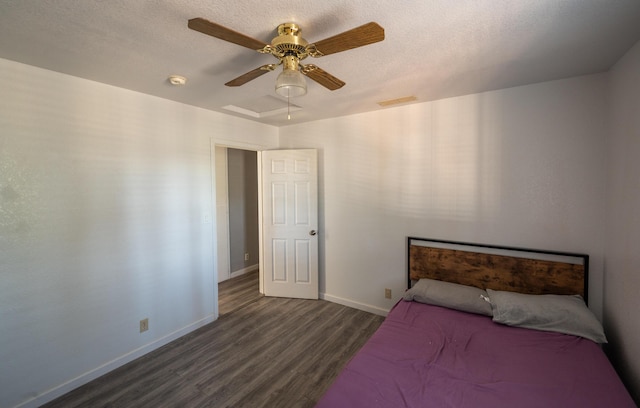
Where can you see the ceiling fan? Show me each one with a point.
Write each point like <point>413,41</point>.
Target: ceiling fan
<point>290,48</point>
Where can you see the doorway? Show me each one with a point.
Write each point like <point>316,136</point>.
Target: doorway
<point>236,212</point>
<point>299,169</point>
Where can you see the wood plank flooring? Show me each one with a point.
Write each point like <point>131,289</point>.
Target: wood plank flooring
<point>261,352</point>
<point>238,292</point>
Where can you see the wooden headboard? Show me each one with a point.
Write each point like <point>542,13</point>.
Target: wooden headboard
<point>521,270</point>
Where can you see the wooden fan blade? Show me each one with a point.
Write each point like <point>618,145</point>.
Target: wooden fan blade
<point>251,75</point>
<point>223,33</point>
<point>322,77</point>
<point>357,37</point>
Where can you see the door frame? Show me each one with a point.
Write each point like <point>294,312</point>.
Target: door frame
<point>233,144</point>
<point>222,204</point>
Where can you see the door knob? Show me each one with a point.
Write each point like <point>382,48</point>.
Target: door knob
<point>312,232</point>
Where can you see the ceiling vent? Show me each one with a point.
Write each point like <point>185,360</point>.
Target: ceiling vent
<point>390,102</point>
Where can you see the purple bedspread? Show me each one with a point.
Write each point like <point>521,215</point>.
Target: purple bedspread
<point>428,356</point>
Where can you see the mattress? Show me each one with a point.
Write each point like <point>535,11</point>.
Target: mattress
<point>430,356</point>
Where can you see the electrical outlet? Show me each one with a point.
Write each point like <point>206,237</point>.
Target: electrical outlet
<point>387,293</point>
<point>246,256</point>
<point>144,325</point>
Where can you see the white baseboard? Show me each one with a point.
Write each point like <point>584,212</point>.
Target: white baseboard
<point>355,305</point>
<point>241,272</point>
<point>91,375</point>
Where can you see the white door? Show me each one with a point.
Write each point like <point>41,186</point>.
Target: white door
<point>289,223</point>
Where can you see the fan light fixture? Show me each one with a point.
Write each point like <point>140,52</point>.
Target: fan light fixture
<point>290,82</point>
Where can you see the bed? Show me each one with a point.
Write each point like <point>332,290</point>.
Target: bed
<point>484,326</point>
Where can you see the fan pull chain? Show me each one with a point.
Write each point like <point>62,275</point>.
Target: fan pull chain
<point>288,106</point>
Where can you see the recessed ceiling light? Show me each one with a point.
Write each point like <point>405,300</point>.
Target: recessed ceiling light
<point>177,80</point>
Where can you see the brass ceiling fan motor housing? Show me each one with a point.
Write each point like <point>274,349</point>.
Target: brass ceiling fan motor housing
<point>289,42</point>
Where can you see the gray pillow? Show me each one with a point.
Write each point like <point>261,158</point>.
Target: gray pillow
<point>451,295</point>
<point>556,313</point>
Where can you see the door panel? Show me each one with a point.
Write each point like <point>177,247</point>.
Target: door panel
<point>302,261</point>
<point>290,217</point>
<point>279,257</point>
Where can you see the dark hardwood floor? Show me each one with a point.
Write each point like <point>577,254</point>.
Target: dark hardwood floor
<point>261,352</point>
<point>238,292</point>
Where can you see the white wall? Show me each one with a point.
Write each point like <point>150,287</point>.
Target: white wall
<point>521,167</point>
<point>622,262</point>
<point>103,195</point>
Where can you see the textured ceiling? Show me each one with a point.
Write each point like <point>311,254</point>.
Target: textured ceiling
<point>433,48</point>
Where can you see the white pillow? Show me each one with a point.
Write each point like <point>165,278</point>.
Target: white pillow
<point>452,295</point>
<point>556,313</point>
